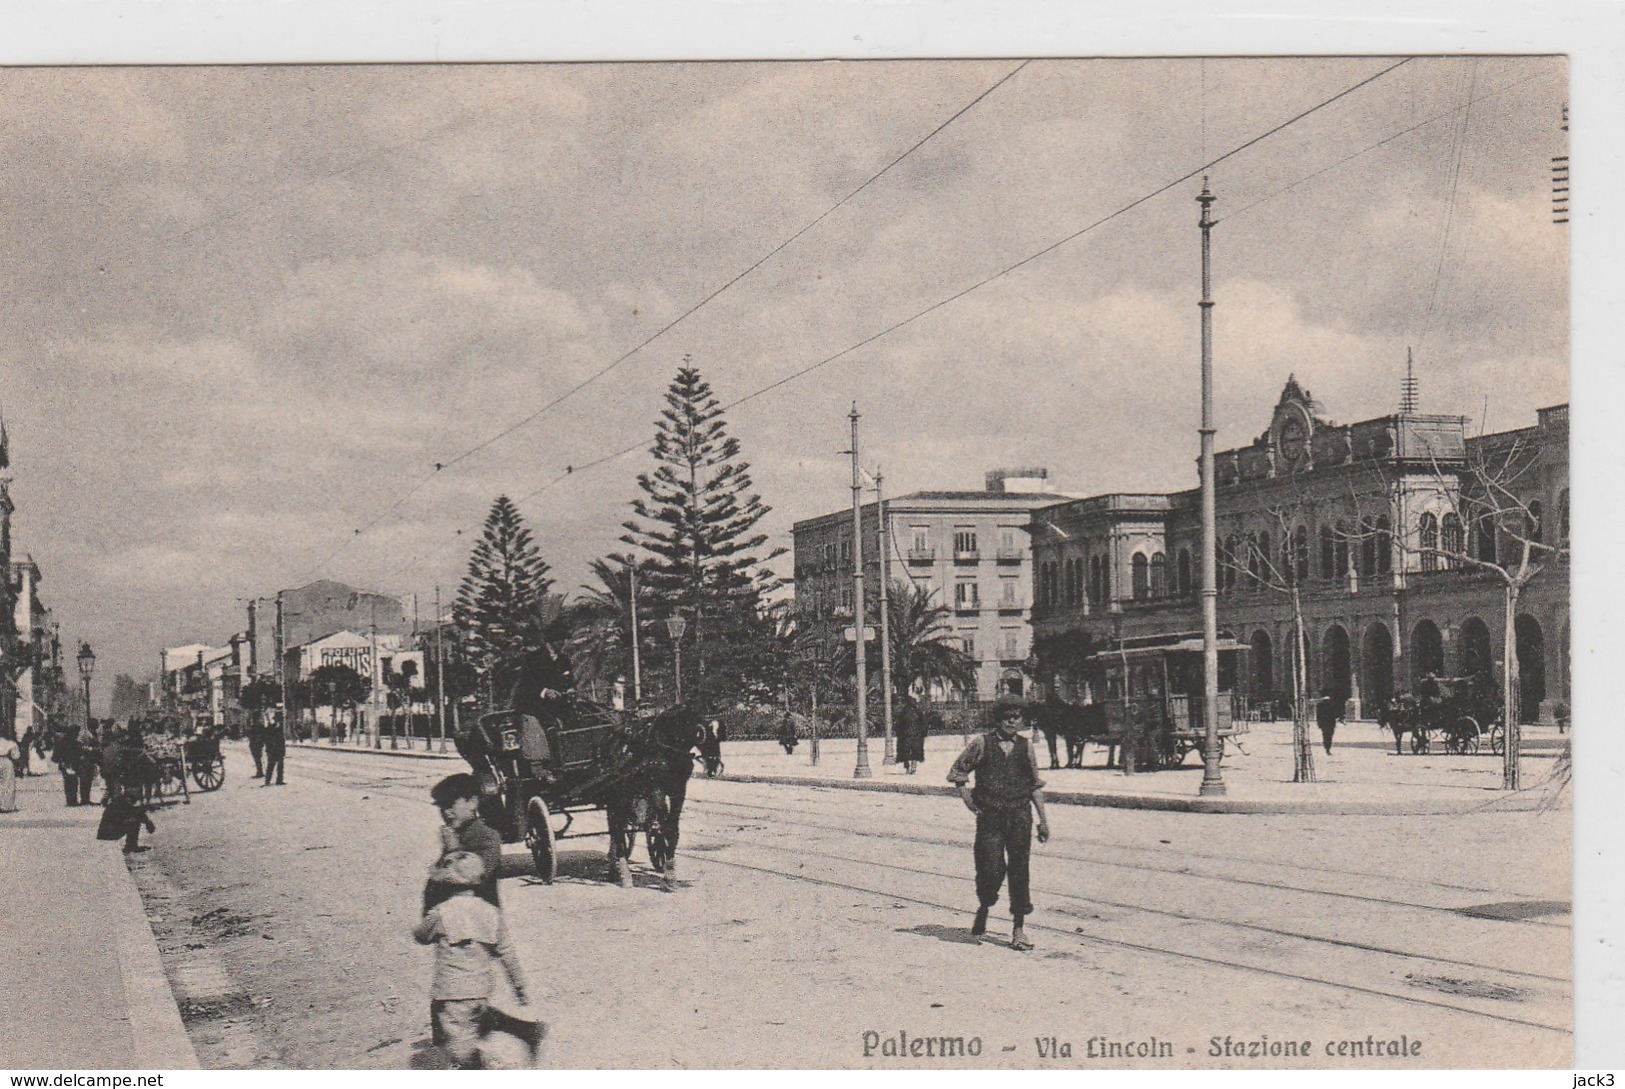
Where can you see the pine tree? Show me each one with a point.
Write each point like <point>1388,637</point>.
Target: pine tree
<point>696,521</point>
<point>504,591</point>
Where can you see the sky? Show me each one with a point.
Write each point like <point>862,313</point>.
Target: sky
<point>249,309</point>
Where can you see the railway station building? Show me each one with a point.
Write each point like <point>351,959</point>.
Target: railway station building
<point>1375,526</point>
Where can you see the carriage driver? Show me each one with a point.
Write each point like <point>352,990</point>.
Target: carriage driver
<point>1007,787</point>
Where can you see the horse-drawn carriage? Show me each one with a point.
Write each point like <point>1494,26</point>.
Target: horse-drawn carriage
<point>1462,712</point>
<point>158,754</point>
<point>541,767</point>
<point>1148,703</point>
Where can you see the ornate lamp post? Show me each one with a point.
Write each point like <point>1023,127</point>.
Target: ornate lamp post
<point>676,625</point>
<point>87,666</point>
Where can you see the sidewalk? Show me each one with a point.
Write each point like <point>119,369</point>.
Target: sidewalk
<point>81,985</point>
<point>434,752</point>
<point>1361,775</point>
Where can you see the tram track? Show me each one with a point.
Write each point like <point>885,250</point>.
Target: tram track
<point>393,786</point>
<point>1141,947</point>
<point>778,814</point>
<point>1209,920</point>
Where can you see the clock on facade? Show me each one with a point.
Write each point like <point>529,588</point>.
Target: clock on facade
<point>1292,441</point>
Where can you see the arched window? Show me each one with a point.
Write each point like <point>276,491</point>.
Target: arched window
<point>1341,567</point>
<point>1453,542</point>
<point>1428,539</point>
<point>1288,571</point>
<point>1300,553</point>
<point>1264,559</point>
<point>1097,593</point>
<point>1071,584</point>
<point>1533,524</point>
<point>1328,554</point>
<point>1368,547</point>
<point>1485,532</point>
<point>1141,576</point>
<point>1184,572</point>
<point>1254,573</point>
<point>1159,575</point>
<point>1385,545</point>
<point>1232,561</point>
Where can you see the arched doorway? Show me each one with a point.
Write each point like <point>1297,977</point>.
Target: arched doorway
<point>1335,674</point>
<point>1531,643</point>
<point>1377,666</point>
<point>1477,654</point>
<point>1427,651</point>
<point>1263,655</point>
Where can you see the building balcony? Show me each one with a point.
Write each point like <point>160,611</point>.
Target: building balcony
<point>922,555</point>
<point>1010,555</point>
<point>967,557</point>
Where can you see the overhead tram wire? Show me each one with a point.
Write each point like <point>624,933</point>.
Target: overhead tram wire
<point>1450,209</point>
<point>1382,143</point>
<point>574,470</point>
<point>672,324</point>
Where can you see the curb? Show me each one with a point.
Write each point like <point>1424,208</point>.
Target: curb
<point>161,1042</point>
<point>402,753</point>
<point>1166,804</point>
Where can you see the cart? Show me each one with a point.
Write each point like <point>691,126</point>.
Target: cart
<point>1154,702</point>
<point>534,770</point>
<point>1461,712</point>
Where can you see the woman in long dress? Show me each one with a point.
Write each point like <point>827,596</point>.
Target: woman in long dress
<point>9,755</point>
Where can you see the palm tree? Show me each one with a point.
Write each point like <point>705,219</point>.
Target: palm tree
<point>923,648</point>
<point>600,641</point>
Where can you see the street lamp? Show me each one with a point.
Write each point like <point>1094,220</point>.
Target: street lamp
<point>676,625</point>
<point>87,666</point>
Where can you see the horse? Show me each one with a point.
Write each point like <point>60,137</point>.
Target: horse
<point>1403,715</point>
<point>649,763</point>
<point>1077,723</point>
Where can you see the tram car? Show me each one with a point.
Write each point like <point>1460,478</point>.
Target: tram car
<point>1152,689</point>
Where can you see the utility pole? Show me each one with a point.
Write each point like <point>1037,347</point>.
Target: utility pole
<point>439,672</point>
<point>1212,780</point>
<point>884,541</point>
<point>859,651</point>
<point>637,656</point>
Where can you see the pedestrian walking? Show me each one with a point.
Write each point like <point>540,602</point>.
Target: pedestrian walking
<point>276,751</point>
<point>10,754</point>
<point>1006,791</point>
<point>1327,713</point>
<point>256,744</point>
<point>787,733</point>
<point>912,727</point>
<point>461,830</point>
<point>124,818</point>
<point>470,938</point>
<point>75,755</point>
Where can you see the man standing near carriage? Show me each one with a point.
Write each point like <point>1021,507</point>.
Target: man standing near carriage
<point>1007,789</point>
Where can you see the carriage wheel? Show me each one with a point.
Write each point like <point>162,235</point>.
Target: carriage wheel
<point>1174,754</point>
<point>659,835</point>
<point>172,780</point>
<point>1498,739</point>
<point>1419,742</point>
<point>1467,732</point>
<point>539,838</point>
<point>210,774</point>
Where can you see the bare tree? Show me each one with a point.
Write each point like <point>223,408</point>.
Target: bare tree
<point>1488,521</point>
<point>1257,564</point>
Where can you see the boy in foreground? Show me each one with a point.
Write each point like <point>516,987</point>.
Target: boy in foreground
<point>1007,787</point>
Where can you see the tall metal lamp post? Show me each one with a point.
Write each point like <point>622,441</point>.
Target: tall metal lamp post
<point>676,625</point>
<point>87,666</point>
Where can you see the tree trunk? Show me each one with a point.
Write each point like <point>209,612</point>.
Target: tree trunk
<point>1303,745</point>
<point>1510,779</point>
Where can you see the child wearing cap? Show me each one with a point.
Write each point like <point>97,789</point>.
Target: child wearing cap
<point>468,935</point>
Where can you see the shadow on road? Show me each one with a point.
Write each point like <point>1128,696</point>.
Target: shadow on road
<point>959,935</point>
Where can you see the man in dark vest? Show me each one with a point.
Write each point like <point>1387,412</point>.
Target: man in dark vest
<point>1007,788</point>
